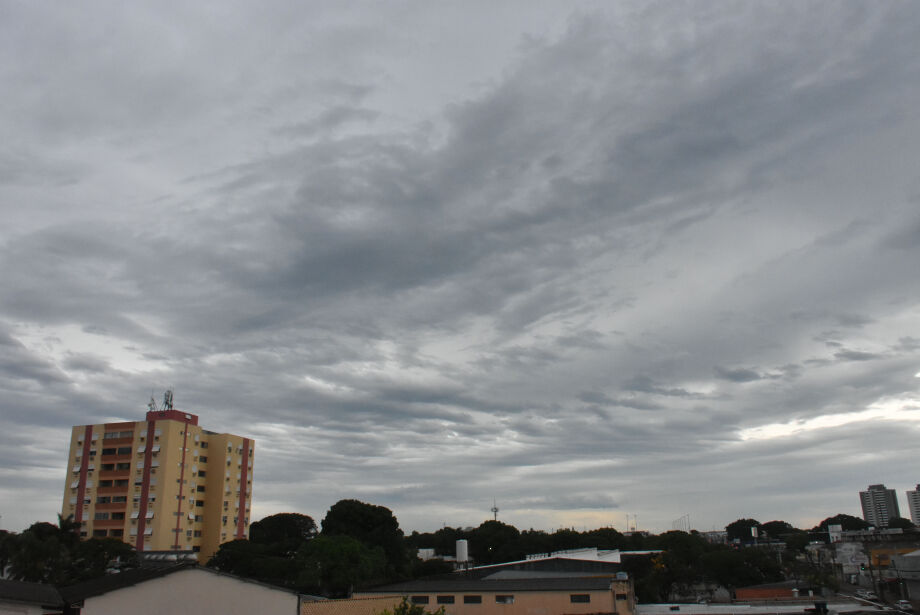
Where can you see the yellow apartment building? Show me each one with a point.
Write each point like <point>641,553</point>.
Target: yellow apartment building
<point>162,484</point>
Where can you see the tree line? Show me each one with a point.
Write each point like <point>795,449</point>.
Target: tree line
<point>49,553</point>
<point>359,544</point>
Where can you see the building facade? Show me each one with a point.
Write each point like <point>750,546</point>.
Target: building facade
<point>522,596</point>
<point>879,505</point>
<point>913,504</point>
<point>178,590</point>
<point>162,484</point>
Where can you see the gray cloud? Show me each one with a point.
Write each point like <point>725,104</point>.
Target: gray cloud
<point>571,267</point>
<point>740,374</point>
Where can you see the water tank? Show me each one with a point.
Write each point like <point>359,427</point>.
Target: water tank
<point>463,551</point>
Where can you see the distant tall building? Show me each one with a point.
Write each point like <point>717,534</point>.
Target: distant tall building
<point>879,505</point>
<point>913,504</point>
<point>162,484</point>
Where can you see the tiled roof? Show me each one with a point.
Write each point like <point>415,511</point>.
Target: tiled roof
<point>40,594</point>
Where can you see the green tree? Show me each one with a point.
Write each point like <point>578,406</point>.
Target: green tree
<point>240,557</point>
<point>536,541</point>
<point>374,526</point>
<point>95,557</point>
<point>741,530</point>
<point>44,552</point>
<point>495,542</point>
<point>335,565</point>
<point>7,546</point>
<point>283,533</point>
<point>847,522</point>
<point>796,540</point>
<point>605,538</point>
<point>740,567</point>
<point>900,522</point>
<point>776,529</point>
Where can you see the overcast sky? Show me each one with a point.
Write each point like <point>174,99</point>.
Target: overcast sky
<point>589,260</point>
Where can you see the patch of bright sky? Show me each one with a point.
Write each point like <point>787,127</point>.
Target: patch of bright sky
<point>57,343</point>
<point>901,408</point>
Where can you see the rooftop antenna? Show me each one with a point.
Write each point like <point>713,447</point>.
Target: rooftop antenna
<point>168,400</point>
<point>152,404</point>
<point>494,510</point>
<point>682,524</point>
<point>635,522</point>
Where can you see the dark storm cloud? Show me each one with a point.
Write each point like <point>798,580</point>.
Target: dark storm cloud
<point>581,282</point>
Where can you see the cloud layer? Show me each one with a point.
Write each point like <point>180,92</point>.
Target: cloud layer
<point>657,259</point>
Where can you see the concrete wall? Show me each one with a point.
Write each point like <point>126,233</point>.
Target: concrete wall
<point>194,592</point>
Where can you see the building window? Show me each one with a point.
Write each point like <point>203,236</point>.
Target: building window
<point>99,533</point>
<point>103,499</point>
<point>197,533</point>
<point>203,459</point>
<point>622,596</point>
<point>200,488</point>
<point>419,599</point>
<point>108,451</point>
<point>580,598</point>
<point>506,599</point>
<point>445,599</point>
<point>123,466</point>
<point>118,516</point>
<point>202,473</point>
<point>199,503</point>
<point>101,516</point>
<point>118,434</point>
<point>204,445</point>
<point>472,600</point>
<point>107,467</point>
<point>124,450</point>
<point>117,533</point>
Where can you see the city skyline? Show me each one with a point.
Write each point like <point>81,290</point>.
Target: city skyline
<point>586,260</point>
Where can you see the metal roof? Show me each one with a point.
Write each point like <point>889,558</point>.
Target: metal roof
<point>41,594</point>
<point>494,585</point>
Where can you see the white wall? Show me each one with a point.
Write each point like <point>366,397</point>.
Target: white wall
<point>194,592</point>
